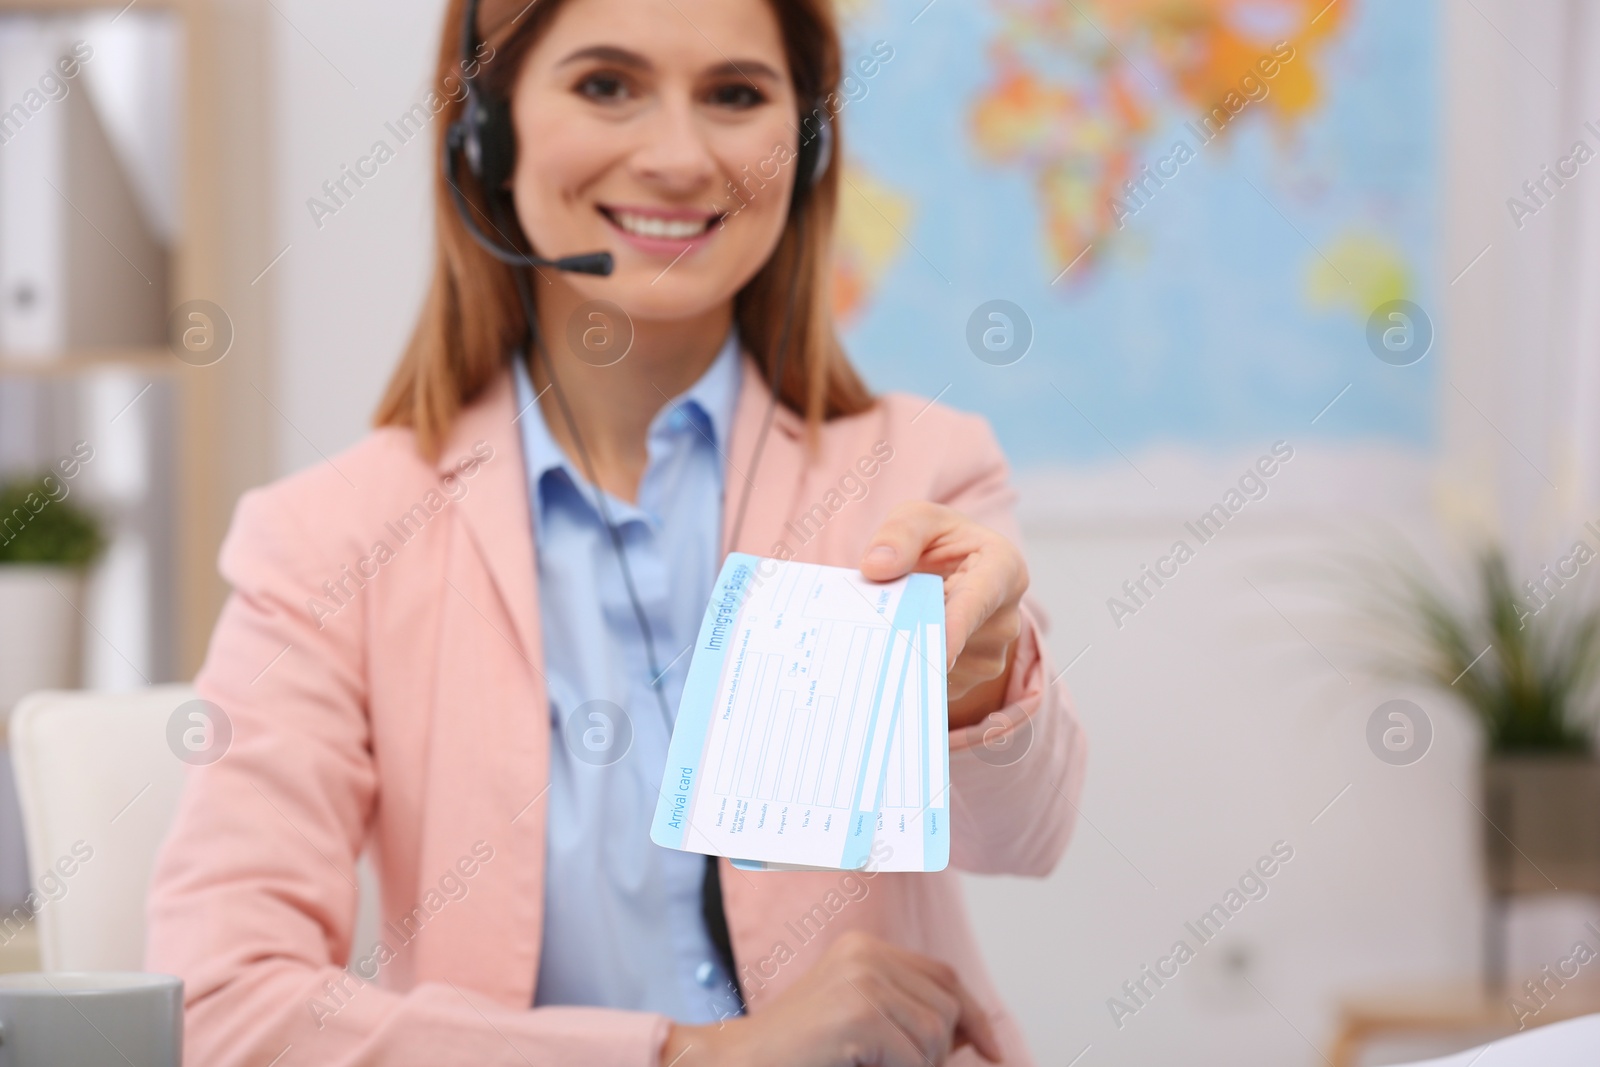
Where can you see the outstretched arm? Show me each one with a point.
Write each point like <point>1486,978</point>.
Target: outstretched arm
<point>1016,748</point>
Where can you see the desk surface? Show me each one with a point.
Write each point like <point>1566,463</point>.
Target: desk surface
<point>1464,1008</point>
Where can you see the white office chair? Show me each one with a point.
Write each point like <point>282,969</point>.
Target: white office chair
<point>95,778</point>
<point>95,774</point>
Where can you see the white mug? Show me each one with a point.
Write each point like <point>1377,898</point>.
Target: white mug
<point>87,1019</point>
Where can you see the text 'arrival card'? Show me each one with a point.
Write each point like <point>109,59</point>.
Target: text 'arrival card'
<point>813,729</point>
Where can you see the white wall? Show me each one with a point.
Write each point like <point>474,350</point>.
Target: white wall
<point>347,292</point>
<point>1218,728</point>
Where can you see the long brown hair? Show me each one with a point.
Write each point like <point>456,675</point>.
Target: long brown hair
<point>471,319</point>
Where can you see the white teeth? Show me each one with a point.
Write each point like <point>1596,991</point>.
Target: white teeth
<point>651,226</point>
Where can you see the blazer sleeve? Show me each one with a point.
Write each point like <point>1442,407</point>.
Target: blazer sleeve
<point>253,899</point>
<point>1016,776</point>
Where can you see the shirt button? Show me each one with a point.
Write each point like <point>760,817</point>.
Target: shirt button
<point>702,973</point>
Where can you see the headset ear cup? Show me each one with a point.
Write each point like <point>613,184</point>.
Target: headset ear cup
<point>816,151</point>
<point>489,144</point>
<point>819,166</point>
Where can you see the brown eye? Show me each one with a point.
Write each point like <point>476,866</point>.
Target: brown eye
<point>738,95</point>
<point>602,87</point>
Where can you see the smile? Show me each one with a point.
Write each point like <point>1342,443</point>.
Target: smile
<point>660,225</point>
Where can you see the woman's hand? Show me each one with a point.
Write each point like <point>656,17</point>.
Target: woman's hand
<point>984,579</point>
<point>865,1001</point>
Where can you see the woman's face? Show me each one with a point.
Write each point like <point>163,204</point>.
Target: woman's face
<point>663,132</point>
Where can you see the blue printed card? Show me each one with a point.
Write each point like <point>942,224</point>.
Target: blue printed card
<point>813,723</point>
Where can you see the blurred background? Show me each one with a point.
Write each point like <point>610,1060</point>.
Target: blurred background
<point>1311,289</point>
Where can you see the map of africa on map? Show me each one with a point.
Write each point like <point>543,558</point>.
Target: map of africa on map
<point>1196,204</point>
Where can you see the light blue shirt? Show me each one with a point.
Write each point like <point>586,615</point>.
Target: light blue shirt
<point>622,922</point>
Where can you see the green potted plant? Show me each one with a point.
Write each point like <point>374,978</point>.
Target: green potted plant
<point>1524,659</point>
<point>47,543</point>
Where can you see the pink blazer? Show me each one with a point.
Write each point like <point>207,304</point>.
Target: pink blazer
<point>380,663</point>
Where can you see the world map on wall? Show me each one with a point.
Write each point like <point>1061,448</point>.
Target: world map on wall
<point>1191,210</point>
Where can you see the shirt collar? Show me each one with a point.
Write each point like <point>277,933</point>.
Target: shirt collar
<point>713,396</point>
<point>709,403</point>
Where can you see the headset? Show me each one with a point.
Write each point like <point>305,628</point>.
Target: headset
<point>484,140</point>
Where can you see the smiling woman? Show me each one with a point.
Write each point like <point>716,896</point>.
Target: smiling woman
<point>661,177</point>
<point>594,119</point>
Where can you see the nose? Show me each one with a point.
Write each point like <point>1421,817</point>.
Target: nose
<point>674,153</point>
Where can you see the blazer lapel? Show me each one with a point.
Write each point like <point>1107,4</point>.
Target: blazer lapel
<point>489,741</point>
<point>772,479</point>
<point>496,507</point>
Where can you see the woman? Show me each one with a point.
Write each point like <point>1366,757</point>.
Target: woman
<point>420,627</point>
